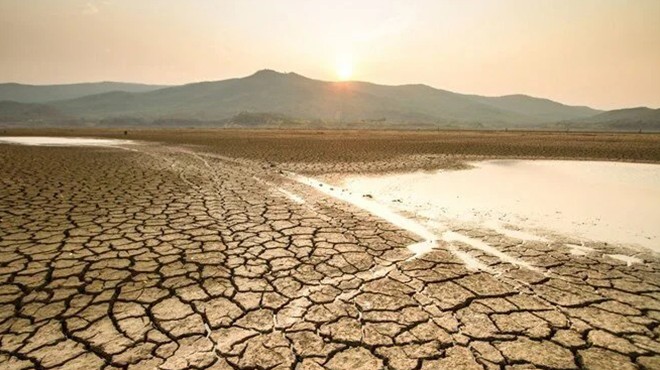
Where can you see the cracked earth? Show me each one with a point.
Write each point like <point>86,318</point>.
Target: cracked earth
<point>167,257</point>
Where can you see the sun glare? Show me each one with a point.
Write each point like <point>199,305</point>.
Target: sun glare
<point>344,67</point>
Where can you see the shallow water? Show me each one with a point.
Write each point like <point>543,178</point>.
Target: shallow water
<point>603,201</point>
<point>62,141</point>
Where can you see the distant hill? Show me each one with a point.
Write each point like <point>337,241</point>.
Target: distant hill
<point>541,109</point>
<point>15,112</point>
<point>270,98</point>
<point>47,93</point>
<point>629,119</point>
<point>299,97</point>
<point>641,114</point>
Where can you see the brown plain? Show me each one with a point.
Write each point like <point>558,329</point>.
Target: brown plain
<point>350,146</point>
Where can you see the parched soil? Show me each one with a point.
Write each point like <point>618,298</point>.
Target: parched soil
<point>377,151</point>
<point>198,252</point>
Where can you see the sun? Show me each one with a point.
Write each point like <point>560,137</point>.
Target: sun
<point>344,67</point>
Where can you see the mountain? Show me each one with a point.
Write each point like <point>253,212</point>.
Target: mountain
<point>272,98</point>
<point>541,109</point>
<point>630,119</point>
<point>299,97</point>
<point>15,112</point>
<point>640,114</point>
<point>47,93</point>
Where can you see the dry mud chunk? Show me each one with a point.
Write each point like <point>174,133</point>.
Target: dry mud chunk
<point>523,323</point>
<point>192,352</point>
<point>448,295</point>
<point>308,344</point>
<point>219,311</point>
<point>344,330</point>
<point>354,359</point>
<point>488,352</point>
<point>456,358</point>
<point>649,362</point>
<point>484,285</point>
<point>407,357</point>
<point>611,322</point>
<point>568,338</point>
<point>270,351</point>
<point>606,340</point>
<point>543,353</point>
<point>597,358</point>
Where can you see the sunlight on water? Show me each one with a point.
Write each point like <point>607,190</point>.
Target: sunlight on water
<point>62,141</point>
<point>603,201</point>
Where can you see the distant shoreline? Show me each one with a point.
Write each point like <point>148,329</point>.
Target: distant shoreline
<point>376,151</point>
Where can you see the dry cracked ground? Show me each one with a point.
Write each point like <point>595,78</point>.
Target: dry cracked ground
<point>165,257</point>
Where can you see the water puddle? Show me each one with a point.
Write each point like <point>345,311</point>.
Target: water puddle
<point>512,233</point>
<point>62,141</point>
<point>430,236</point>
<point>451,236</point>
<point>579,250</point>
<point>602,201</point>
<point>629,260</point>
<point>364,202</point>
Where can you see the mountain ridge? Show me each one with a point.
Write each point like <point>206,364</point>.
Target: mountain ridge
<point>270,96</point>
<point>27,93</point>
<point>301,97</point>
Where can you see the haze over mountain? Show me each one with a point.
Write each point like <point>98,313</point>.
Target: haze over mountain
<point>542,109</point>
<point>47,93</point>
<point>642,114</point>
<point>269,96</point>
<point>300,97</point>
<point>11,111</point>
<point>641,118</point>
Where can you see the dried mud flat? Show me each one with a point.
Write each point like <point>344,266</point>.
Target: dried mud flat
<point>172,256</point>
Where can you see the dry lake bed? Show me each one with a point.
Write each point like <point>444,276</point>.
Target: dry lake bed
<point>329,250</point>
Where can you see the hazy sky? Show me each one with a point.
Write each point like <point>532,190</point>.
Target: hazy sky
<point>602,53</point>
